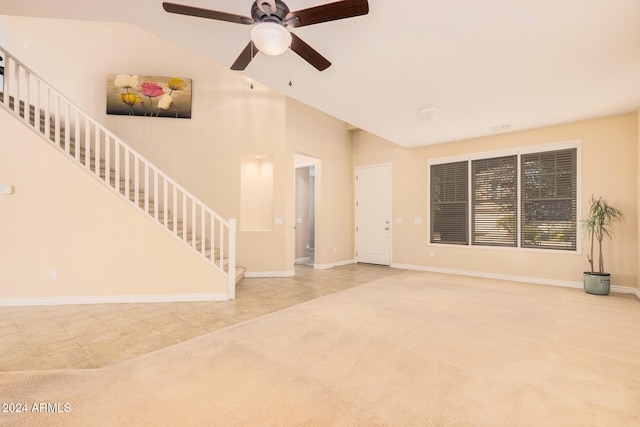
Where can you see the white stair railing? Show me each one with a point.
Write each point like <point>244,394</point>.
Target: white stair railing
<point>120,167</point>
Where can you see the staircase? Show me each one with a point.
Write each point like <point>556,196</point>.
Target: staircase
<point>121,168</point>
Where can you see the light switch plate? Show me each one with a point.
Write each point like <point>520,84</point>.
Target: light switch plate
<point>6,189</point>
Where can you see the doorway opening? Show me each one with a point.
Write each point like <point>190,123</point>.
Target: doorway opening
<point>305,209</point>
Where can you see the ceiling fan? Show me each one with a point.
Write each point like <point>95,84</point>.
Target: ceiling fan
<point>271,18</point>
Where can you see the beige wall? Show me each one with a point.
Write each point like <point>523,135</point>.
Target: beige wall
<point>61,218</point>
<point>230,120</point>
<point>203,154</point>
<point>609,168</point>
<point>318,135</point>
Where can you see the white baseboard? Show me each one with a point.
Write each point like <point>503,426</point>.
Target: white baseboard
<point>288,273</point>
<point>333,264</point>
<point>133,299</point>
<point>115,299</point>
<point>622,290</point>
<point>525,279</point>
<point>293,272</point>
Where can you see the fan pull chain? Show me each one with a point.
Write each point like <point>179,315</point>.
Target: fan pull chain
<point>290,67</point>
<point>251,70</point>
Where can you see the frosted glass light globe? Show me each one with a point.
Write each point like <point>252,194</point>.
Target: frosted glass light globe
<point>271,38</point>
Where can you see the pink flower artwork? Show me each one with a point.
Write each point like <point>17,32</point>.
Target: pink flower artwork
<point>148,96</point>
<point>151,90</point>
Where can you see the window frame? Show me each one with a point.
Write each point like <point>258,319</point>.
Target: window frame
<point>518,151</point>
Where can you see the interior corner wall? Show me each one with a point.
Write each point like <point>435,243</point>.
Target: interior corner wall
<point>609,148</point>
<point>63,234</point>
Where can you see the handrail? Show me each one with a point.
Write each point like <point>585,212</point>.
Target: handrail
<point>116,164</point>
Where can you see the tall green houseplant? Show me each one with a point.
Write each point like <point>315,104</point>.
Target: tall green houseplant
<point>598,225</point>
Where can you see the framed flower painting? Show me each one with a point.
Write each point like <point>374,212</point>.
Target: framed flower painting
<point>149,96</point>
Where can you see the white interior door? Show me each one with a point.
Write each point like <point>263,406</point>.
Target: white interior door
<point>373,212</point>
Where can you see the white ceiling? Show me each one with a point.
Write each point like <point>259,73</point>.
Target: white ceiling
<point>511,64</point>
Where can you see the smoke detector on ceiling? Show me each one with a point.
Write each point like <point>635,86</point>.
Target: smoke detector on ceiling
<point>429,113</point>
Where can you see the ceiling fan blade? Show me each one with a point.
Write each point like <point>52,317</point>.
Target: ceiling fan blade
<point>330,12</point>
<point>245,57</point>
<point>308,53</point>
<point>205,13</point>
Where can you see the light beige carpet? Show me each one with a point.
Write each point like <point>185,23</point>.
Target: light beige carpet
<point>414,349</point>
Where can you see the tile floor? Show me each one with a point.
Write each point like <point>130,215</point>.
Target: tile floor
<point>93,336</point>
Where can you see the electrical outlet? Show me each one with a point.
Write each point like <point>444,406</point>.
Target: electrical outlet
<point>53,274</point>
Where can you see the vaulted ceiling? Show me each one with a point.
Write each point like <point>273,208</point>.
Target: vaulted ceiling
<point>481,67</point>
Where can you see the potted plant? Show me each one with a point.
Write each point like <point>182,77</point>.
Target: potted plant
<point>598,225</point>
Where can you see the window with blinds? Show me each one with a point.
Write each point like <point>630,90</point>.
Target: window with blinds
<point>494,201</point>
<point>548,200</point>
<point>533,208</point>
<point>449,203</point>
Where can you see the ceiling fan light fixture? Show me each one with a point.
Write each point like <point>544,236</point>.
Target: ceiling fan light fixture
<point>270,20</point>
<point>271,38</point>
